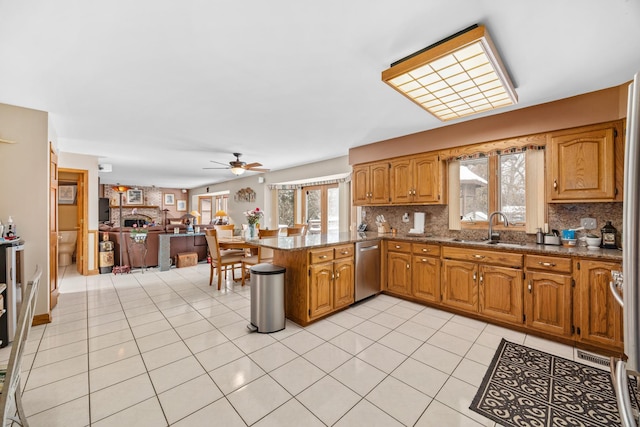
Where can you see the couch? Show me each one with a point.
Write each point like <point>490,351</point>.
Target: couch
<point>131,256</point>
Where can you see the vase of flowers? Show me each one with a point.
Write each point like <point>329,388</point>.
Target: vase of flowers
<point>253,218</point>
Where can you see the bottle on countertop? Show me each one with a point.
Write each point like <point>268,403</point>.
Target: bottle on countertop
<point>539,237</point>
<point>609,236</point>
<point>10,229</point>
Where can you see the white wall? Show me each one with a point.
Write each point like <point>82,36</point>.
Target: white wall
<point>263,194</point>
<point>88,163</point>
<point>24,187</point>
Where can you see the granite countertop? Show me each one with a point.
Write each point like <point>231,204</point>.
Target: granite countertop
<point>311,241</point>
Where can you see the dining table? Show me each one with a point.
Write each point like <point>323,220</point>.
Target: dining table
<point>237,242</point>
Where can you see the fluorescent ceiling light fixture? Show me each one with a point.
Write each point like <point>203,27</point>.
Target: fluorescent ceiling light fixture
<point>456,77</point>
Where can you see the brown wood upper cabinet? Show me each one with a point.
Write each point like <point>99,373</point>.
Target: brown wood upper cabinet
<point>371,184</point>
<point>582,164</point>
<point>417,179</point>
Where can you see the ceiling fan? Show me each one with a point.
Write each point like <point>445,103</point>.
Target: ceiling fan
<point>238,167</point>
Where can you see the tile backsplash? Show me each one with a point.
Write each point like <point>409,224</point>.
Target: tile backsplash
<point>560,216</point>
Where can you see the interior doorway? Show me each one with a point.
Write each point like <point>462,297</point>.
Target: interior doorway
<point>72,219</point>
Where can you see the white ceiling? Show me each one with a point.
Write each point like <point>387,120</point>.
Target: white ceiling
<point>158,88</point>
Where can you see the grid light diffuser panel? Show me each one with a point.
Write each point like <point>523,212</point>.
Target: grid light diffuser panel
<point>466,81</point>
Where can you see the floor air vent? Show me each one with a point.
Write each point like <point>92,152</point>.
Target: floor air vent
<point>593,358</point>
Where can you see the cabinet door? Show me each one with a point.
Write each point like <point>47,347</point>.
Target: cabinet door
<point>548,303</point>
<point>401,181</point>
<point>501,293</point>
<point>599,315</point>
<point>425,280</point>
<point>399,272</point>
<point>426,179</point>
<point>343,283</point>
<point>460,284</point>
<point>321,289</point>
<point>379,183</point>
<point>582,165</point>
<point>360,179</point>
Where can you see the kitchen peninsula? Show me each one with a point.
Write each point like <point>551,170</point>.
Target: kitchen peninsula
<point>556,292</point>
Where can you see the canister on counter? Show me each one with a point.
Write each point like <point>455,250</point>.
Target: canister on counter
<point>609,236</point>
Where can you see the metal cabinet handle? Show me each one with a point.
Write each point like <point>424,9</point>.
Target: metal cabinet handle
<point>530,287</point>
<point>426,250</point>
<point>475,276</point>
<point>555,184</point>
<point>408,266</point>
<point>344,253</point>
<point>322,256</point>
<point>547,264</point>
<point>424,260</point>
<point>397,246</point>
<point>337,276</point>
<point>481,278</point>
<point>478,256</point>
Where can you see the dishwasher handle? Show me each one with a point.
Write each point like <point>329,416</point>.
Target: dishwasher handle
<point>368,248</point>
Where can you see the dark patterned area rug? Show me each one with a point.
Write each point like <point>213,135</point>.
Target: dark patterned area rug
<point>528,387</point>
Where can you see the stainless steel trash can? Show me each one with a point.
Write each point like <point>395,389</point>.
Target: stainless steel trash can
<point>267,298</point>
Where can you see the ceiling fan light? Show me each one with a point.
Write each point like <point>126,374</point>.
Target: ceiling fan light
<point>465,63</point>
<point>237,170</point>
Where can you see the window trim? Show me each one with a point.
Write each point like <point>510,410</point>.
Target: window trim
<point>534,197</point>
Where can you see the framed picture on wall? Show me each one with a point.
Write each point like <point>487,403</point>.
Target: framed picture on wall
<point>182,205</point>
<point>67,194</point>
<point>134,197</point>
<point>169,199</point>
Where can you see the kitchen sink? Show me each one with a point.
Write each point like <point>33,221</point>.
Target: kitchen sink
<point>490,242</point>
<point>507,244</point>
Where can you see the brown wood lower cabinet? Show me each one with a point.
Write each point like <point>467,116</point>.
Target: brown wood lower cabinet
<point>399,267</point>
<point>425,275</point>
<point>501,293</point>
<point>460,286</point>
<point>484,282</point>
<point>547,298</point>
<point>318,281</point>
<point>598,315</point>
<point>548,303</point>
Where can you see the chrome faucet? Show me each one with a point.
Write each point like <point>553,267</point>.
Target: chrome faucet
<point>492,235</point>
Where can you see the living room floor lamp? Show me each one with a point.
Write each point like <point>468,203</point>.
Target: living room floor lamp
<point>121,189</point>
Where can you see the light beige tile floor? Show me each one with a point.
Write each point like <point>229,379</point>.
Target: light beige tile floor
<point>164,348</point>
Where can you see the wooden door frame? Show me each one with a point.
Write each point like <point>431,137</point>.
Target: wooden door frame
<point>324,204</point>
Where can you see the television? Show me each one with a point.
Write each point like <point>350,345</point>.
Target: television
<point>103,209</point>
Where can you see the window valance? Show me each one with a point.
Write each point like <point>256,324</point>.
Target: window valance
<point>294,185</point>
<point>495,152</point>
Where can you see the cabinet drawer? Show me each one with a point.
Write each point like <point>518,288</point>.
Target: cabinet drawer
<point>320,255</point>
<point>547,263</point>
<point>425,249</point>
<point>488,257</point>
<point>344,251</point>
<point>397,246</point>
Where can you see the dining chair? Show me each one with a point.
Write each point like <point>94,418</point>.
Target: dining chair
<point>263,255</point>
<point>221,261</point>
<point>295,231</point>
<point>224,230</point>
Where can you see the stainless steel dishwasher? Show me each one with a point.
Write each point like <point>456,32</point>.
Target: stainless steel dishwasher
<point>367,269</point>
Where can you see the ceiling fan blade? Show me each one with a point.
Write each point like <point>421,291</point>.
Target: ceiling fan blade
<point>252,165</point>
<point>258,169</point>
<point>220,163</point>
<point>218,168</point>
